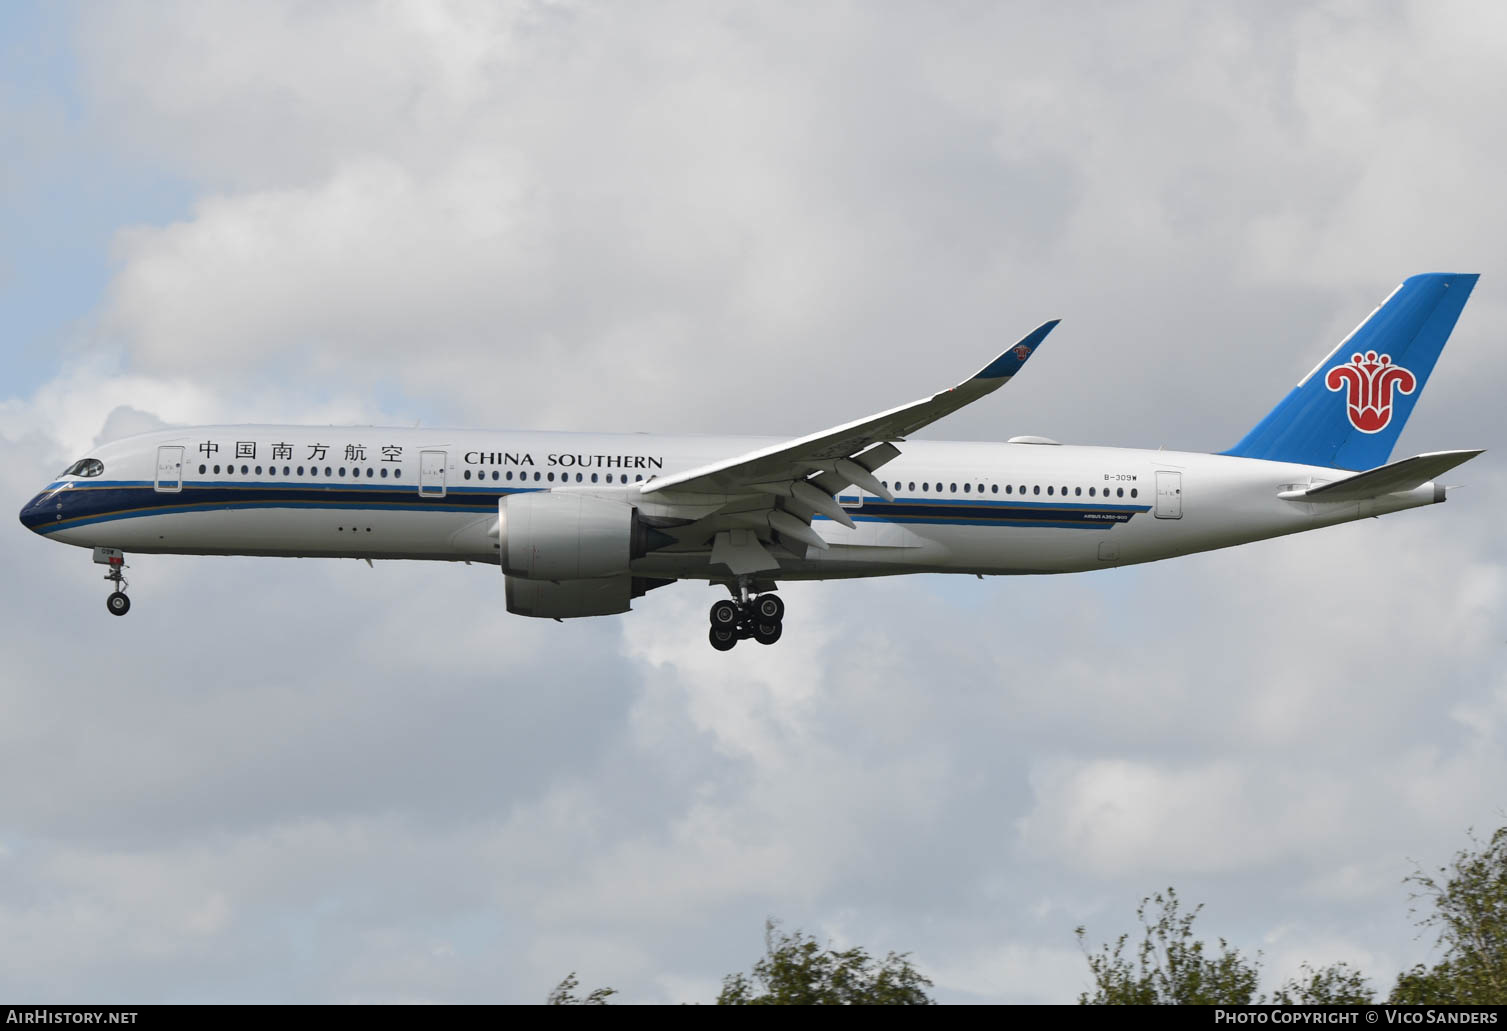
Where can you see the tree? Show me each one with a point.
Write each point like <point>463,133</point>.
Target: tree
<point>797,971</point>
<point>565,994</point>
<point>1170,966</point>
<point>1336,985</point>
<point>1469,901</point>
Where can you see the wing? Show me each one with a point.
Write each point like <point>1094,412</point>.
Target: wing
<point>819,452</point>
<point>770,496</point>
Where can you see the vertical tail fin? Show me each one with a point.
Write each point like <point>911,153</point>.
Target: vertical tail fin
<point>1348,411</point>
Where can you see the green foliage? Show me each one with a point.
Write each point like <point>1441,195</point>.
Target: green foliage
<point>1337,985</point>
<point>796,971</point>
<point>565,994</point>
<point>1469,902</point>
<point>1465,901</point>
<point>1170,966</point>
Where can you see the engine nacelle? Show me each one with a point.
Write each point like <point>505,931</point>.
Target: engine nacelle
<point>568,599</point>
<point>549,536</point>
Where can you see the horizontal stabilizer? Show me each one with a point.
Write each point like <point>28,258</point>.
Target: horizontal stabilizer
<point>1387,479</point>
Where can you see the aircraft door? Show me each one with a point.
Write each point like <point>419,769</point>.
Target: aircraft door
<point>1169,494</point>
<point>431,474</point>
<point>169,479</point>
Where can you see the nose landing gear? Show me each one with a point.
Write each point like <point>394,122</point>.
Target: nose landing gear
<point>760,618</point>
<point>117,603</point>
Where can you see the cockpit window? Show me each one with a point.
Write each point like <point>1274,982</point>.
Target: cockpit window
<point>84,467</point>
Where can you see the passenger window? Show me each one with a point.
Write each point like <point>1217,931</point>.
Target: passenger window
<point>342,471</point>
<point>1009,489</point>
<point>1120,492</point>
<point>1049,491</point>
<point>1077,492</point>
<point>300,470</point>
<point>1134,492</point>
<point>496,475</point>
<point>993,488</point>
<point>384,472</point>
<point>243,470</point>
<point>913,486</point>
<point>201,470</point>
<point>1036,489</point>
<point>397,474</point>
<point>327,471</point>
<point>593,477</point>
<point>966,488</point>
<point>954,488</point>
<point>217,470</point>
<point>466,475</point>
<point>926,487</point>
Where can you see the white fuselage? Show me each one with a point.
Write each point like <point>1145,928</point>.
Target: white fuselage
<point>958,507</point>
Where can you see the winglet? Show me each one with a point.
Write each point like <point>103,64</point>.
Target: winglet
<point>1009,363</point>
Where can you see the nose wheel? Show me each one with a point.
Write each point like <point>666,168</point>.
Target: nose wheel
<point>117,603</point>
<point>760,618</point>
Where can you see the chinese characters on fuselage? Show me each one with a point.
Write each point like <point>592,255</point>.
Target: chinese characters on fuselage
<point>283,451</point>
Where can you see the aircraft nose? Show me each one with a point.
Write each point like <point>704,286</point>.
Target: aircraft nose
<point>37,513</point>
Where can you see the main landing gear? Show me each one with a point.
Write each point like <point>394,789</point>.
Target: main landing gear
<point>758,617</point>
<point>117,603</point>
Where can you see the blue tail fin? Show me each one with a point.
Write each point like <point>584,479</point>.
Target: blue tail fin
<point>1348,411</point>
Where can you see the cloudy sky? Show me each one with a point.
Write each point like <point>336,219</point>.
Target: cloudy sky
<point>285,780</point>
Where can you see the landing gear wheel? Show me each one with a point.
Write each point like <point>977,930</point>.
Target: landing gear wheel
<point>769,608</point>
<point>725,614</point>
<point>723,639</point>
<point>767,633</point>
<point>118,604</point>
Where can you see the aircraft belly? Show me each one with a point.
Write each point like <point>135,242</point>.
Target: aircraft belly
<point>287,531</point>
<point>928,549</point>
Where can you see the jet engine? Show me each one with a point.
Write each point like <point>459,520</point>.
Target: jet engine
<point>549,536</point>
<point>601,596</point>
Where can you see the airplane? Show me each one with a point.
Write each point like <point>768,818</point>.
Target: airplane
<point>582,524</point>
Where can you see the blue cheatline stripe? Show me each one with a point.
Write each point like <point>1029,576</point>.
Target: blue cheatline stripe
<point>106,502</point>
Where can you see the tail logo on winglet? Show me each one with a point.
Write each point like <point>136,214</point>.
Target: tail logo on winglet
<point>1369,382</point>
<point>1022,352</point>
